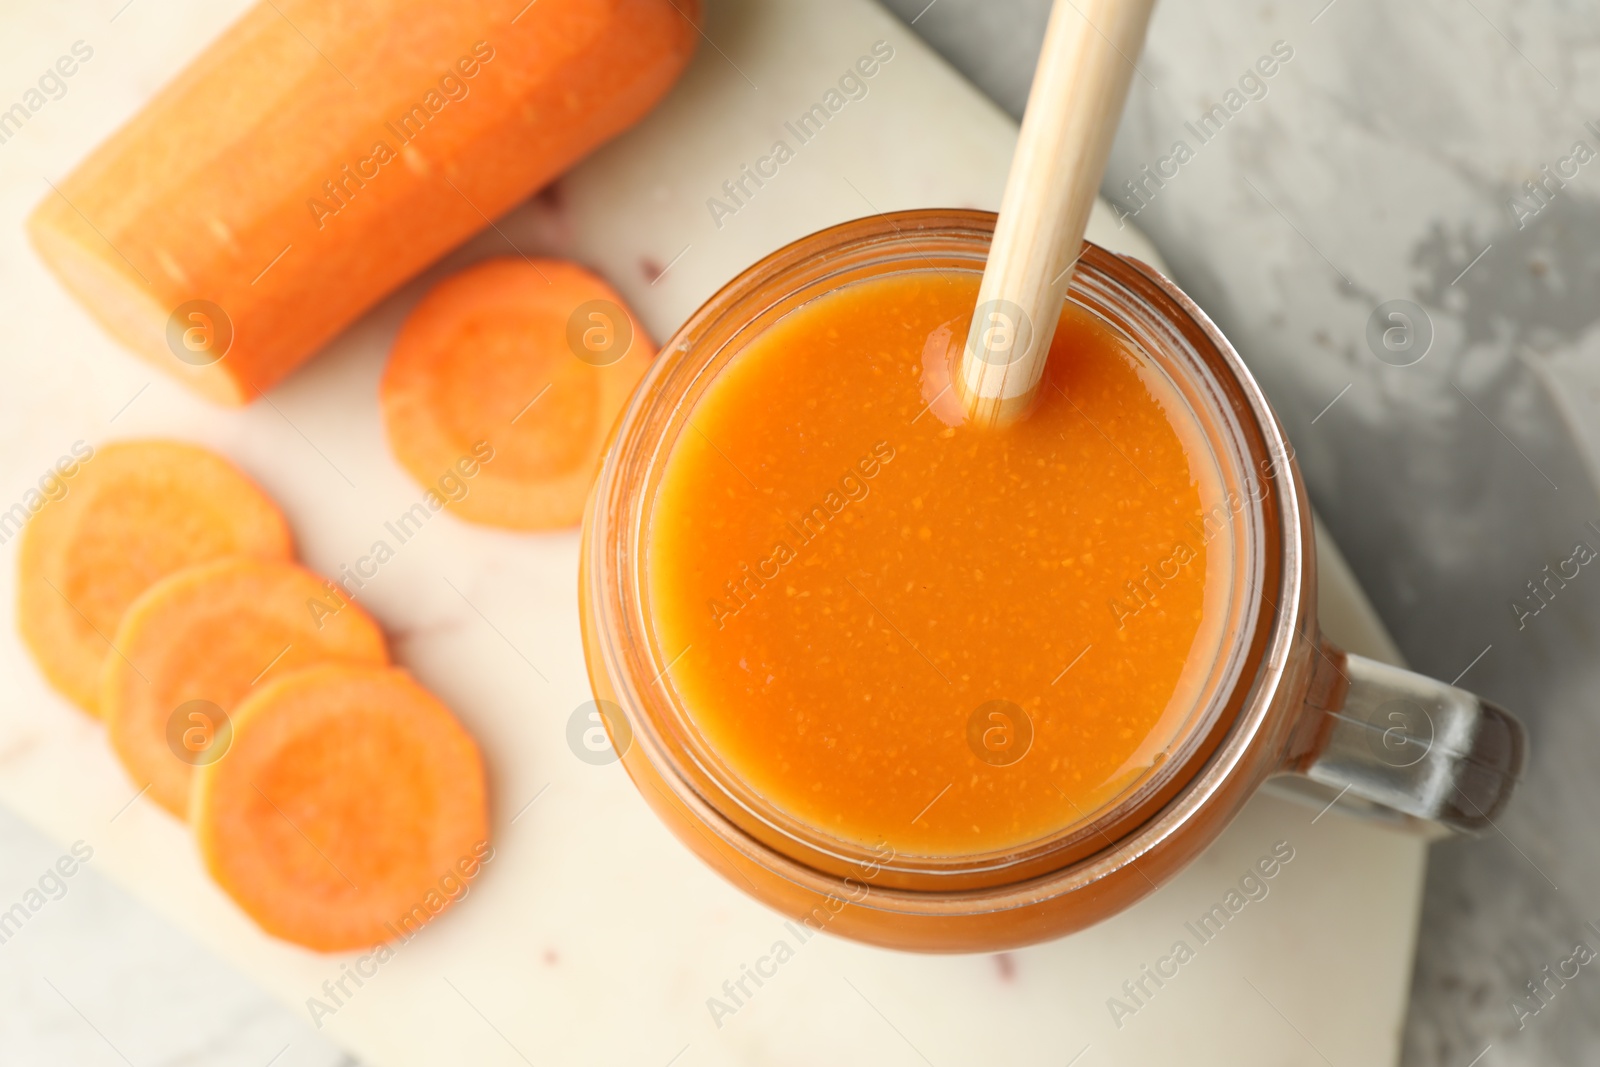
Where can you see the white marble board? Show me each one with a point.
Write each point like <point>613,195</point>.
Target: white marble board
<point>593,937</point>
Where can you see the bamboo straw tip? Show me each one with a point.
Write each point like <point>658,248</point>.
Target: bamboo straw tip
<point>996,362</point>
<point>1002,333</point>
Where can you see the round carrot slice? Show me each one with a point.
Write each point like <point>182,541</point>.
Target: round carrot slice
<point>503,387</point>
<point>348,796</point>
<point>135,512</point>
<point>200,640</point>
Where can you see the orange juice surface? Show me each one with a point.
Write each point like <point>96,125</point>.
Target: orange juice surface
<point>898,630</point>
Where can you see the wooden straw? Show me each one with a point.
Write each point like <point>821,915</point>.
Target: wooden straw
<point>1078,91</point>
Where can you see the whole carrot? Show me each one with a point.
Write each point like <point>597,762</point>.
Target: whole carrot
<point>321,152</point>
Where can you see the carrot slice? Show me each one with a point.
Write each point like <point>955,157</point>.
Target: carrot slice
<point>212,634</point>
<point>136,512</point>
<point>349,796</point>
<point>525,363</point>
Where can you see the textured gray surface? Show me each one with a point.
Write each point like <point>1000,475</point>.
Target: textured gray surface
<point>96,978</point>
<point>1381,159</point>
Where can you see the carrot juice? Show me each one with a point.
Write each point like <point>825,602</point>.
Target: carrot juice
<point>909,633</point>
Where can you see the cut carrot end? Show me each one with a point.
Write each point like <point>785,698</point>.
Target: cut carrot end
<point>515,370</point>
<point>134,512</point>
<point>199,641</point>
<point>350,795</point>
<point>126,308</point>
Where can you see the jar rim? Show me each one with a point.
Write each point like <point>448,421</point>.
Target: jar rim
<point>1243,687</point>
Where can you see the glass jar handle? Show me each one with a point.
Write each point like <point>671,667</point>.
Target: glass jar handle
<point>1408,742</point>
